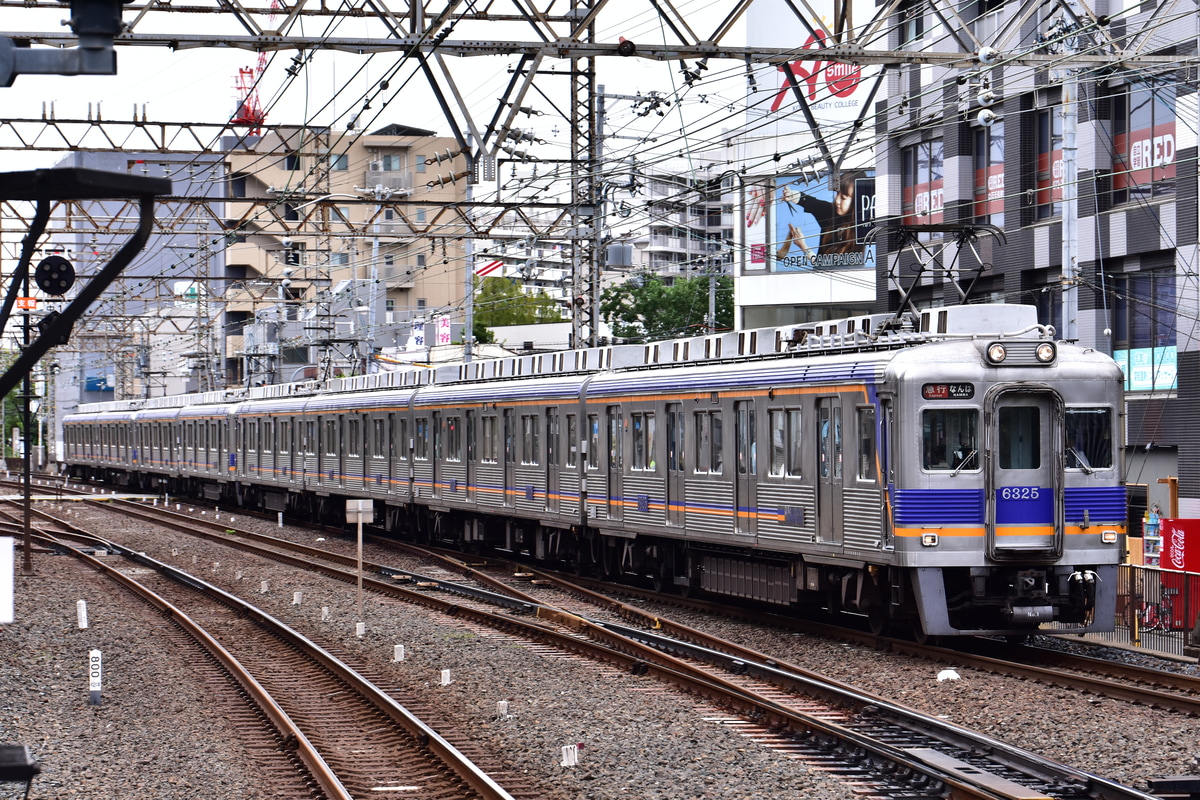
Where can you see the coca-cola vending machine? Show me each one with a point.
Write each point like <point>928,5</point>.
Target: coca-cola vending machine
<point>1181,552</point>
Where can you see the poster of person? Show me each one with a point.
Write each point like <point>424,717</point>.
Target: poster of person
<point>822,224</point>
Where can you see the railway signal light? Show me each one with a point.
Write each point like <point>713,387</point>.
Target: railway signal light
<point>54,275</point>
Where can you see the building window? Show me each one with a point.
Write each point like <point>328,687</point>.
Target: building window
<point>339,162</point>
<point>420,216</point>
<point>291,162</point>
<point>921,195</point>
<point>1144,309</point>
<point>989,174</point>
<point>393,162</point>
<point>419,166</point>
<point>1143,141</point>
<point>912,20</point>
<point>1049,163</point>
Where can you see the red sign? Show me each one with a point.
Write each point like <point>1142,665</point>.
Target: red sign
<point>1050,177</point>
<point>1180,545</point>
<point>27,304</point>
<point>1144,156</point>
<point>991,199</point>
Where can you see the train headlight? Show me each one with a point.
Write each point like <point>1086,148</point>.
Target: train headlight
<point>929,539</point>
<point>1045,352</point>
<point>1108,537</point>
<point>996,353</point>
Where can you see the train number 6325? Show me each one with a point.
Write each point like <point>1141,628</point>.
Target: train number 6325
<point>1019,493</point>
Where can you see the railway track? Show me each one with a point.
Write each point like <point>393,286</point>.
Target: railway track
<point>366,745</point>
<point>891,749</point>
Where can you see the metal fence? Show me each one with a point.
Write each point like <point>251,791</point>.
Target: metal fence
<point>1157,609</point>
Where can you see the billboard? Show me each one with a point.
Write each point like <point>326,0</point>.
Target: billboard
<point>821,224</point>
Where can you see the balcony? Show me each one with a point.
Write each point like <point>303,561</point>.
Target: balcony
<point>397,181</point>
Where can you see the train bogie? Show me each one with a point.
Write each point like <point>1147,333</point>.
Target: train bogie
<point>959,483</point>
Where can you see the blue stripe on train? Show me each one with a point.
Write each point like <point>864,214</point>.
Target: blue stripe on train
<point>916,507</point>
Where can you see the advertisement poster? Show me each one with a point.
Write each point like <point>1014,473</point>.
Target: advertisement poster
<point>1180,545</point>
<point>823,226</point>
<point>1148,368</point>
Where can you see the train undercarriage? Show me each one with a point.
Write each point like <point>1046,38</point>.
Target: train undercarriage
<point>927,602</point>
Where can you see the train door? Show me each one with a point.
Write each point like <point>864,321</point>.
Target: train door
<point>829,469</point>
<point>510,457</point>
<point>469,461</point>
<point>552,460</point>
<point>616,459</point>
<point>1024,497</point>
<point>745,504</point>
<point>675,462</point>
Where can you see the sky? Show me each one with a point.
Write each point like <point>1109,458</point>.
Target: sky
<point>199,85</point>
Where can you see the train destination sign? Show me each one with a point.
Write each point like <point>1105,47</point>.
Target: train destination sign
<point>948,391</point>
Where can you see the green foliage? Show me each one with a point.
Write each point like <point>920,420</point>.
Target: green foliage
<point>502,301</point>
<point>649,309</point>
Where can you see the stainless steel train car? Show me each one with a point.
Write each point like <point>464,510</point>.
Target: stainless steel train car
<point>957,471</point>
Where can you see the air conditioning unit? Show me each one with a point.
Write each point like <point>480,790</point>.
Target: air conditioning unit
<point>375,166</point>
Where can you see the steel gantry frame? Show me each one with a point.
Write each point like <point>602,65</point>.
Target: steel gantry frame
<point>436,35</point>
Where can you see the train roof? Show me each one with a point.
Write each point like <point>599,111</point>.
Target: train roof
<point>831,350</point>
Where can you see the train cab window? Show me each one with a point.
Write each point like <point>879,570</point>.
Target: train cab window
<point>529,439</point>
<point>709,439</point>
<point>950,439</point>
<point>488,440</point>
<point>593,453</point>
<point>867,463</point>
<point>1087,439</point>
<point>642,426</point>
<point>572,440</point>
<point>421,439</point>
<point>1020,437</point>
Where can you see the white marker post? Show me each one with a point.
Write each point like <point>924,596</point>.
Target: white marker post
<point>81,613</point>
<point>7,587</point>
<point>356,511</point>
<point>94,671</point>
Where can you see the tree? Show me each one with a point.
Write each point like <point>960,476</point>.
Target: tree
<point>502,301</point>
<point>644,309</point>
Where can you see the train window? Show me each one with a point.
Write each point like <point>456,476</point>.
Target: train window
<point>1020,437</point>
<point>378,442</point>
<point>488,440</point>
<point>867,470</point>
<point>675,438</point>
<point>552,437</point>
<point>572,440</point>
<point>331,437</point>
<point>529,439</point>
<point>405,444</point>
<point>950,438</point>
<point>747,446</point>
<point>1088,438</point>
<point>510,444</point>
<point>616,450</point>
<point>353,437</point>
<point>470,432</point>
<point>593,453</point>
<point>643,441</point>
<point>786,442</point>
<point>268,441</point>
<point>453,439</point>
<point>283,430</point>
<point>709,433</point>
<point>421,439</point>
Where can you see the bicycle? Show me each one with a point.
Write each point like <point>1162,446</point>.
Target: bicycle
<point>1157,616</point>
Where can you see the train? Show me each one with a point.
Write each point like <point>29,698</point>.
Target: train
<point>946,472</point>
